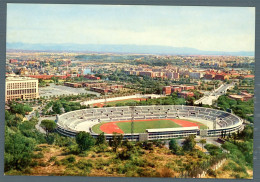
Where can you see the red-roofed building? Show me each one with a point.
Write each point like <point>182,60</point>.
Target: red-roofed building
<point>167,90</point>
<point>248,76</point>
<point>185,94</point>
<point>209,76</point>
<point>48,77</point>
<point>13,61</point>
<point>92,77</point>
<point>221,77</point>
<point>176,89</point>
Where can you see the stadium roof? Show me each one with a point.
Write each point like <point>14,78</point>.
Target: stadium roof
<point>172,129</point>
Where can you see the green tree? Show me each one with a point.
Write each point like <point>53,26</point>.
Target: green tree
<point>101,139</point>
<point>189,143</point>
<point>202,142</point>
<point>18,151</point>
<point>57,107</point>
<point>48,126</point>
<point>173,146</point>
<point>116,141</point>
<point>17,108</point>
<point>84,140</point>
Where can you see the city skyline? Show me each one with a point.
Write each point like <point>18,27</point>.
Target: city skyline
<point>203,28</point>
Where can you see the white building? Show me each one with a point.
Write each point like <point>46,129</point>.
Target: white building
<point>195,75</point>
<point>21,88</point>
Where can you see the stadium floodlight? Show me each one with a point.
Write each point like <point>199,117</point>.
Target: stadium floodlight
<point>105,99</point>
<point>132,120</point>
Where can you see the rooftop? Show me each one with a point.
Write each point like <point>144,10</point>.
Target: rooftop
<point>173,129</point>
<point>19,78</point>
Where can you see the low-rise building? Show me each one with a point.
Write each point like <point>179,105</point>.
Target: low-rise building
<point>92,77</point>
<point>74,85</point>
<point>195,75</point>
<point>185,94</point>
<point>167,90</point>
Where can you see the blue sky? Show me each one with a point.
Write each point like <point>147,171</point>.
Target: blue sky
<point>204,28</point>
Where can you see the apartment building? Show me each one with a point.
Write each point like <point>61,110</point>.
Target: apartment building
<point>21,88</point>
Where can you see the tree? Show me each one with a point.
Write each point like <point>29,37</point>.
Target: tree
<point>13,119</point>
<point>55,79</point>
<point>17,108</point>
<point>37,114</point>
<point>173,146</point>
<point>18,151</point>
<point>189,143</point>
<point>202,142</point>
<point>116,141</point>
<point>48,126</point>
<point>84,140</point>
<point>57,107</point>
<point>247,133</point>
<point>101,139</point>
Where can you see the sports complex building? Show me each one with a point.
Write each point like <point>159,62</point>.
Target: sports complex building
<point>180,120</point>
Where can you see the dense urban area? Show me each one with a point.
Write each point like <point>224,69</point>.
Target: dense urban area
<point>43,86</point>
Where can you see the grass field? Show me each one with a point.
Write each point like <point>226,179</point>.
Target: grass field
<point>112,103</point>
<point>141,126</point>
<point>96,128</point>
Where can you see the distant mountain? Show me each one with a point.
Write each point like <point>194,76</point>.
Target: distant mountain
<point>133,49</point>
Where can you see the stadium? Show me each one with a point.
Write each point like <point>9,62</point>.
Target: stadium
<point>149,122</point>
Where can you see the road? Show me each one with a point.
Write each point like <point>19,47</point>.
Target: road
<point>214,95</point>
<point>209,140</point>
<point>33,114</point>
<point>93,101</point>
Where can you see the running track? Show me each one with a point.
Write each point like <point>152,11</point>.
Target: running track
<point>112,127</point>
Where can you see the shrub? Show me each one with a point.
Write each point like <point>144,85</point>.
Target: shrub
<point>73,149</point>
<point>139,162</point>
<point>34,164</point>
<point>121,169</point>
<point>68,160</point>
<point>53,158</point>
<point>124,155</point>
<point>27,170</point>
<point>42,164</point>
<point>38,149</point>
<point>212,173</point>
<point>84,154</point>
<point>39,155</point>
<point>58,163</point>
<point>71,159</point>
<point>166,172</point>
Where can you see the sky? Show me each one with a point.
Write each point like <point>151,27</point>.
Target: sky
<point>203,28</point>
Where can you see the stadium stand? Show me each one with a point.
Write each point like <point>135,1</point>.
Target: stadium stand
<point>69,124</point>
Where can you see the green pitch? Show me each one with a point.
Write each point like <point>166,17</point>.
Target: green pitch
<point>141,126</point>
<point>96,128</point>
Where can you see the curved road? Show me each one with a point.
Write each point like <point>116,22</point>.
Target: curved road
<point>208,100</point>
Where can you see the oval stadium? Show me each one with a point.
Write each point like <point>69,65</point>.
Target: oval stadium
<point>149,122</point>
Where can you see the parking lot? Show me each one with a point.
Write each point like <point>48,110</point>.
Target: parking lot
<point>57,90</point>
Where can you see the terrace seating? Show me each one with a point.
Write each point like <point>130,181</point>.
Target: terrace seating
<point>70,120</point>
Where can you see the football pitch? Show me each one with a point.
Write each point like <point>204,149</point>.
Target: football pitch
<point>140,126</point>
